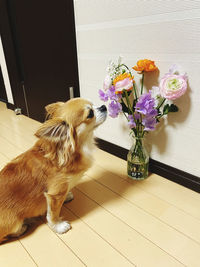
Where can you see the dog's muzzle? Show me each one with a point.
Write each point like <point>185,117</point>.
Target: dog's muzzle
<point>103,108</point>
<point>101,114</point>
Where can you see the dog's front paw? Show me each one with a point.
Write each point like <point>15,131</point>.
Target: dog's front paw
<point>61,227</point>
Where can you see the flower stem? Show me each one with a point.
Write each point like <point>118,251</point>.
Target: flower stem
<point>131,77</point>
<point>126,68</point>
<point>160,116</point>
<point>135,91</point>
<point>128,103</point>
<point>122,109</point>
<point>131,110</point>
<point>161,103</point>
<point>142,84</point>
<point>140,127</point>
<point>125,115</point>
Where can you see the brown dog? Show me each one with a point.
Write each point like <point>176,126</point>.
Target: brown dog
<point>39,180</point>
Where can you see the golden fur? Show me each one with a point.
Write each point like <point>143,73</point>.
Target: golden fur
<point>39,180</point>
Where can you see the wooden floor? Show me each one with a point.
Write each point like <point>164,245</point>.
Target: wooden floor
<point>115,221</point>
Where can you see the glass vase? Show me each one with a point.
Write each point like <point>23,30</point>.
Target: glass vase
<point>138,160</point>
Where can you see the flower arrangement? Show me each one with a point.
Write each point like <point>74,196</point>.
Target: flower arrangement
<point>143,110</point>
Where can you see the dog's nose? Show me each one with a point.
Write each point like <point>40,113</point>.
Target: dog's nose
<point>102,108</point>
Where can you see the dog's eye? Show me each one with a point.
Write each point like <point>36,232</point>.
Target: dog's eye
<point>91,114</point>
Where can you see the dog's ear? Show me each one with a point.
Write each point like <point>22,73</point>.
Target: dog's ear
<point>59,133</point>
<point>54,130</point>
<point>52,108</point>
<point>58,130</point>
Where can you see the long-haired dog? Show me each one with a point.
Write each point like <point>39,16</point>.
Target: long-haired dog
<point>39,180</point>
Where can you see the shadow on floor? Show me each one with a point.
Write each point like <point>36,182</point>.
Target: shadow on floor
<point>105,189</point>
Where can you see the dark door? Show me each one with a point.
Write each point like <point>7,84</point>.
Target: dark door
<point>43,33</point>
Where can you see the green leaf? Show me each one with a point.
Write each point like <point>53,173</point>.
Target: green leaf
<point>173,108</point>
<point>129,92</point>
<point>166,109</point>
<point>124,93</point>
<point>169,108</point>
<point>124,108</point>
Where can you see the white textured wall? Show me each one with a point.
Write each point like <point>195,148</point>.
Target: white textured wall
<point>165,31</point>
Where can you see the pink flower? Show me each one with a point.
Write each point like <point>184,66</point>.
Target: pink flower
<point>173,86</point>
<point>122,82</point>
<point>126,84</point>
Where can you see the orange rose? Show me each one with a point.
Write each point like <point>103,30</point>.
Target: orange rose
<point>145,65</point>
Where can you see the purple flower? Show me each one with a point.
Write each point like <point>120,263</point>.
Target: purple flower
<point>145,104</point>
<point>114,109</point>
<point>137,116</point>
<point>153,113</point>
<point>146,107</point>
<point>131,122</point>
<point>112,95</point>
<point>149,123</point>
<point>103,96</point>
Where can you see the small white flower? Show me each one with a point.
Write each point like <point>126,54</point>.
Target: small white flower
<point>155,93</point>
<point>111,67</point>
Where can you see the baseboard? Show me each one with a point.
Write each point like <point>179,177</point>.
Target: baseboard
<point>3,100</point>
<point>178,176</point>
<point>10,106</point>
